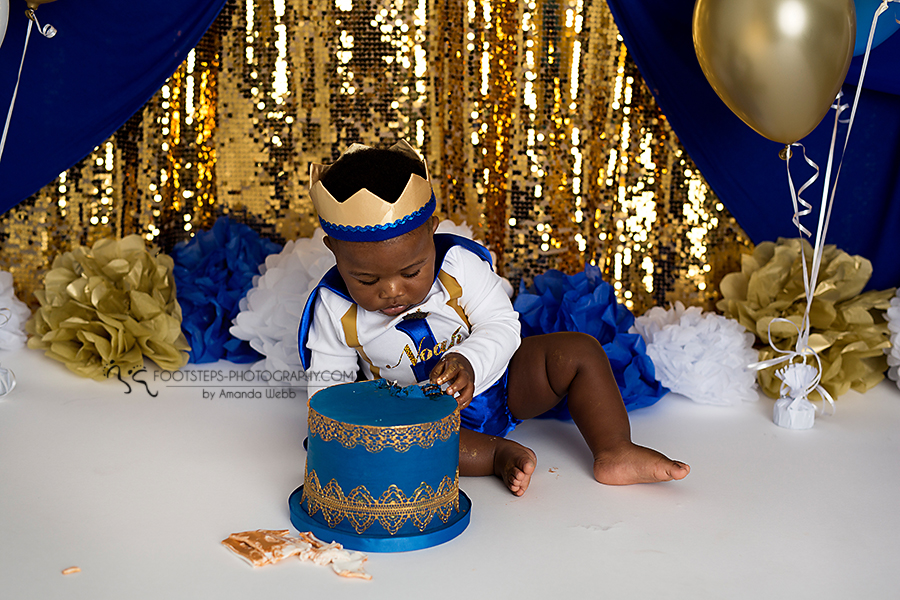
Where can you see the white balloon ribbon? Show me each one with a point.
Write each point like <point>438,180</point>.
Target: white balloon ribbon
<point>796,197</point>
<point>47,31</point>
<point>798,379</point>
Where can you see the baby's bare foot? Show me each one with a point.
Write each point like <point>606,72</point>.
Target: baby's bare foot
<point>629,463</point>
<point>514,464</point>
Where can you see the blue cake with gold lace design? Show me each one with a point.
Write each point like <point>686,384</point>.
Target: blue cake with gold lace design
<point>382,468</point>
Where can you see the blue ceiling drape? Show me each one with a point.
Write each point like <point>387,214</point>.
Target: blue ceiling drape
<point>743,168</point>
<point>107,59</point>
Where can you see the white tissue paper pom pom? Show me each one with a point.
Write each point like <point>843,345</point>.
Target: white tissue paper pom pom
<point>13,315</point>
<point>270,312</point>
<point>701,356</point>
<point>465,231</point>
<point>448,226</point>
<point>893,353</point>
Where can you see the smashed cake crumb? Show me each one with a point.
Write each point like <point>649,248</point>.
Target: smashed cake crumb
<point>265,546</point>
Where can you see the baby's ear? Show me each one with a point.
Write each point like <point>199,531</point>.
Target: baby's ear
<point>328,243</point>
<point>435,221</point>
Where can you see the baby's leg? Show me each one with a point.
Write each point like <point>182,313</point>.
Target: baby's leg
<point>547,367</point>
<point>481,454</point>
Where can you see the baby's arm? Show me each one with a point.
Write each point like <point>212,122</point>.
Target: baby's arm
<point>479,360</point>
<point>333,361</point>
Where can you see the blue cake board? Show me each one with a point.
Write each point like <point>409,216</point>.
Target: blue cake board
<point>381,543</point>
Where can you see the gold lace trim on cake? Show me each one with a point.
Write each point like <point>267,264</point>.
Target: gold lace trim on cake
<point>375,439</point>
<point>393,509</point>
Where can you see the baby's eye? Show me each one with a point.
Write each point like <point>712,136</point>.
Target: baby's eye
<point>372,282</point>
<point>411,275</point>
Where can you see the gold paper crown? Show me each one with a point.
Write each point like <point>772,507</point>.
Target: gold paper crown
<point>364,216</point>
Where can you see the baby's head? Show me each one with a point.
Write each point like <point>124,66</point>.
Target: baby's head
<point>377,209</point>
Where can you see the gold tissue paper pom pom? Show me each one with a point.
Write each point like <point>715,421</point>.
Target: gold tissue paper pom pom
<point>109,306</point>
<point>847,327</point>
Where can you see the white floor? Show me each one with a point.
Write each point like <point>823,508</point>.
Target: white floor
<point>138,491</point>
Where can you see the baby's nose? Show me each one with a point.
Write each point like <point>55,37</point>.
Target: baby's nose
<point>391,290</point>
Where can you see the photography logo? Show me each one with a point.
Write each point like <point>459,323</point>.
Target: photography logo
<point>223,383</point>
<point>132,375</point>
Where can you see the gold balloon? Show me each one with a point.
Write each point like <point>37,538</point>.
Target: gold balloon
<point>33,4</point>
<point>777,64</point>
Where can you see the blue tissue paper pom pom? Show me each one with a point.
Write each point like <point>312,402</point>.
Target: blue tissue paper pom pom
<point>585,303</point>
<point>213,271</point>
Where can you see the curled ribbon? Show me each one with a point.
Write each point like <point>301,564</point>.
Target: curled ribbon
<point>48,31</point>
<point>796,197</point>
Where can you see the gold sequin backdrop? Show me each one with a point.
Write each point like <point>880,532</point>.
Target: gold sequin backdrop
<point>537,126</point>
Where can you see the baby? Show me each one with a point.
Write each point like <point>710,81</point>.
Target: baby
<point>411,305</point>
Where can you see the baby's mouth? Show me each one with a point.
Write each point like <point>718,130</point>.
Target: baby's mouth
<point>393,311</point>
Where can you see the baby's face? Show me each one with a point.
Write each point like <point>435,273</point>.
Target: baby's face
<point>391,276</point>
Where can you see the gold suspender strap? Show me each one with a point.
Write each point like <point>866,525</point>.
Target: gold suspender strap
<point>455,290</point>
<point>348,322</point>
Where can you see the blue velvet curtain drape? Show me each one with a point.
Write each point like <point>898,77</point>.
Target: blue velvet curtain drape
<point>743,167</point>
<point>77,88</point>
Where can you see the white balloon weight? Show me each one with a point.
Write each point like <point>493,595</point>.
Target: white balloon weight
<point>4,19</point>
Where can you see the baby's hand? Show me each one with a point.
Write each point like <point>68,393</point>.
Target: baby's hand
<point>455,369</point>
